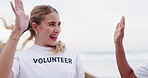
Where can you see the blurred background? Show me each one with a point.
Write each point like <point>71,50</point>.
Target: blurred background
<point>88,26</point>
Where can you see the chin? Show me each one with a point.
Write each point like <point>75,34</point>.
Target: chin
<point>53,43</point>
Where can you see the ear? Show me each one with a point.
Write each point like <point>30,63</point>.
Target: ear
<point>34,27</point>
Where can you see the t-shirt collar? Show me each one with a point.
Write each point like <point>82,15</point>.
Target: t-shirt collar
<point>41,48</point>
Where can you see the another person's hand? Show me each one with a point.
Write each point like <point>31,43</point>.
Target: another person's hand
<point>22,20</point>
<point>119,32</point>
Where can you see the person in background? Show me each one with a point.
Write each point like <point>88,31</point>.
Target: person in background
<point>47,57</point>
<point>124,68</point>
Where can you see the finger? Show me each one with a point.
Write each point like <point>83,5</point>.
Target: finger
<point>12,6</point>
<point>123,24</point>
<point>122,21</point>
<point>16,4</point>
<point>21,5</point>
<point>117,26</point>
<point>122,29</point>
<point>27,21</point>
<point>27,18</point>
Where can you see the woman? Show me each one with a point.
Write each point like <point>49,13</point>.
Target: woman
<point>47,58</point>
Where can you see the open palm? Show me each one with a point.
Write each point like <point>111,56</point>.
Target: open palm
<point>119,32</point>
<point>22,19</point>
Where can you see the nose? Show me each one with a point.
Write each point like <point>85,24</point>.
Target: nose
<point>57,29</point>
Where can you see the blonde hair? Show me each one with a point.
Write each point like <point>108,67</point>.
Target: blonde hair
<point>37,15</point>
<point>7,27</point>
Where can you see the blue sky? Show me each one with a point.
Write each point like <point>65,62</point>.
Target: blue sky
<point>88,25</point>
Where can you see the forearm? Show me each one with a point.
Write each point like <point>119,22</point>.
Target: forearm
<point>123,66</point>
<point>7,55</point>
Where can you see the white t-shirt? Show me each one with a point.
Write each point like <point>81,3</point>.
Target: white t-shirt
<point>39,62</point>
<point>142,71</point>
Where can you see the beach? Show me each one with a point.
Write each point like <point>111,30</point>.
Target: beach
<point>103,64</point>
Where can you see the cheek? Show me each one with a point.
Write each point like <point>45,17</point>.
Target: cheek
<point>49,30</point>
<point>59,30</point>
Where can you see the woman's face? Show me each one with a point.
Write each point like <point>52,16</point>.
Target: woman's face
<point>47,32</point>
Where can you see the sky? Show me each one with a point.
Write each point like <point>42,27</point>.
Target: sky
<point>89,25</point>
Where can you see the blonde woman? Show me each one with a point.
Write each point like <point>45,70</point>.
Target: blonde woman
<point>48,57</point>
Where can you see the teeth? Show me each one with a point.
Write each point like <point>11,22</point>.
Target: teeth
<point>54,36</point>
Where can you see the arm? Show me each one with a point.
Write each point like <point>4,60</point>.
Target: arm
<point>8,52</point>
<point>125,70</point>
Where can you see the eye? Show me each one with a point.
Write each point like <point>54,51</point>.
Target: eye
<point>51,24</point>
<point>59,24</point>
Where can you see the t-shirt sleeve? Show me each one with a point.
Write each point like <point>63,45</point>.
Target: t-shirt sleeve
<point>79,68</point>
<point>15,67</point>
<point>142,71</point>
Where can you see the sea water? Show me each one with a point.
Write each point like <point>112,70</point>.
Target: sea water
<point>103,64</point>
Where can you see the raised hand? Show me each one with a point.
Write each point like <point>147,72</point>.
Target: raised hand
<point>22,19</point>
<point>119,32</point>
<point>9,49</point>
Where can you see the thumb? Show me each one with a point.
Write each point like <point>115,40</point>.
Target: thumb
<point>27,17</point>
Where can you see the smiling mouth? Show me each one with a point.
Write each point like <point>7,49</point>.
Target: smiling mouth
<point>54,38</point>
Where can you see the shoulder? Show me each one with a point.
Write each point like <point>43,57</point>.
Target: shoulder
<point>72,51</point>
<point>24,52</point>
<point>141,70</point>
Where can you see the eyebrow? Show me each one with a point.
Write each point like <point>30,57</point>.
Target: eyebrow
<point>51,22</point>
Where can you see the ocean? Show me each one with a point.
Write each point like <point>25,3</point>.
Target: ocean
<point>103,64</point>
